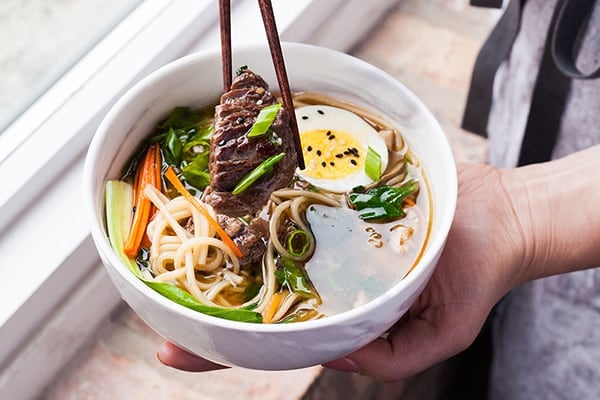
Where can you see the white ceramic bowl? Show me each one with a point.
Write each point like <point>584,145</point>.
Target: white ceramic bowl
<point>196,80</point>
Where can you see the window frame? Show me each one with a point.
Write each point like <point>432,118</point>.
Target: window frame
<point>53,273</point>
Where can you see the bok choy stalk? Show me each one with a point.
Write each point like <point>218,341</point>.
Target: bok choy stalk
<point>118,199</point>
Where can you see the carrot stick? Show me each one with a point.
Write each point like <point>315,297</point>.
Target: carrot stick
<point>272,308</point>
<point>146,175</point>
<point>172,177</point>
<point>409,202</point>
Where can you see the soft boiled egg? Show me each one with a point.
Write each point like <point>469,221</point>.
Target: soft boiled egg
<point>335,144</point>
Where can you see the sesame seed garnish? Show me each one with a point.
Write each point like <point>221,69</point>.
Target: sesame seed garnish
<point>321,112</point>
<point>304,117</point>
<point>339,155</point>
<point>319,152</point>
<point>353,162</point>
<point>324,164</point>
<point>331,137</point>
<point>309,148</point>
<point>331,163</point>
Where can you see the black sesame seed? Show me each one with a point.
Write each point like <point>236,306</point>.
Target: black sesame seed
<point>331,163</point>
<point>339,155</point>
<point>328,133</point>
<point>319,152</point>
<point>309,148</point>
<point>353,162</point>
<point>331,137</point>
<point>324,164</point>
<point>347,153</point>
<point>304,117</point>
<point>321,112</point>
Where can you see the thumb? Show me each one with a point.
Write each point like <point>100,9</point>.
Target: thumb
<point>408,350</point>
<point>172,356</point>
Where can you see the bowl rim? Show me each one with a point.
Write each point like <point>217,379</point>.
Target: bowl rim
<point>100,238</point>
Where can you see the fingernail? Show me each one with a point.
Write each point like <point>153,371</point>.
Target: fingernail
<point>342,364</point>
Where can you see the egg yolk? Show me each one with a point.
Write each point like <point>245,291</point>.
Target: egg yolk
<point>331,154</point>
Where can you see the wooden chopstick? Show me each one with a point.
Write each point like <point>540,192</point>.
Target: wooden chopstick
<point>225,29</point>
<point>268,17</point>
<point>266,9</point>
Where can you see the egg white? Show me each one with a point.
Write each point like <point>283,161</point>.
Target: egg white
<point>348,126</point>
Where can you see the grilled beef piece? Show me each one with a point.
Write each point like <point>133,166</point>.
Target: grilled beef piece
<point>233,154</point>
<point>248,238</point>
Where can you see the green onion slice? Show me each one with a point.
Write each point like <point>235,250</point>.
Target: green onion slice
<point>298,242</point>
<point>264,120</point>
<point>373,164</point>
<point>262,169</point>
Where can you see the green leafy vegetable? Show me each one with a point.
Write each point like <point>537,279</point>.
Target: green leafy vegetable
<point>264,120</point>
<point>172,148</point>
<point>298,242</point>
<point>262,169</point>
<point>382,203</point>
<point>181,118</point>
<point>373,164</point>
<point>241,69</point>
<point>118,200</point>
<point>183,298</point>
<point>184,138</point>
<point>291,275</point>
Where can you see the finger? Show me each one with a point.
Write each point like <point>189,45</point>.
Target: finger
<point>410,349</point>
<point>172,356</point>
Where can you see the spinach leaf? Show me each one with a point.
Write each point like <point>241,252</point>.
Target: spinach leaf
<point>172,148</point>
<point>382,203</point>
<point>291,275</point>
<point>181,118</point>
<point>184,138</point>
<point>196,172</point>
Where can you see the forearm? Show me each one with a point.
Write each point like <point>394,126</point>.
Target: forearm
<point>559,213</point>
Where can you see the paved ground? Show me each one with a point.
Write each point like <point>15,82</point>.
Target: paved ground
<point>430,45</point>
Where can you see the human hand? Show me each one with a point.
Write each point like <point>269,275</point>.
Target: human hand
<point>477,268</point>
<point>484,251</point>
<point>175,357</point>
<point>508,229</point>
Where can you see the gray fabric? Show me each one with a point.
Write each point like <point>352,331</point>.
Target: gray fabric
<point>547,332</point>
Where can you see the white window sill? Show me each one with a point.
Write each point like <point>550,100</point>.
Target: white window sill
<point>53,286</point>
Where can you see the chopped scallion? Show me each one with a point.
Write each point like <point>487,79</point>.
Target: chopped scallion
<point>264,120</point>
<point>373,164</point>
<point>262,169</point>
<point>298,242</point>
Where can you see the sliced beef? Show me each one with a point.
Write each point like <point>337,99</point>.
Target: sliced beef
<point>233,154</point>
<point>248,238</point>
